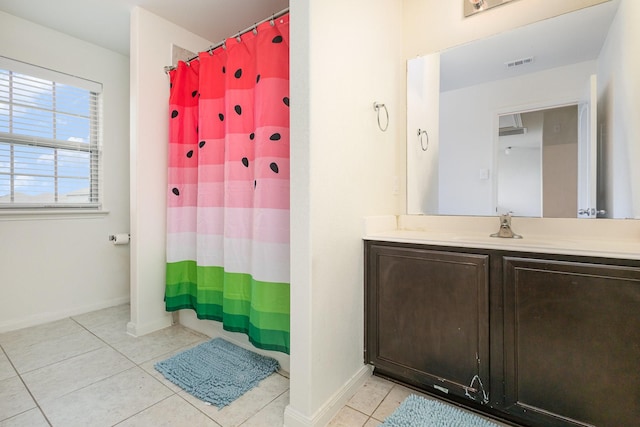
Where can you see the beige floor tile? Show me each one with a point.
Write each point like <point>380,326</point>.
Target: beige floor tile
<point>14,398</point>
<point>369,396</point>
<point>372,422</point>
<point>390,403</point>
<point>348,417</point>
<point>105,316</point>
<point>106,402</point>
<point>35,334</point>
<point>46,352</point>
<point>31,418</point>
<point>246,405</point>
<point>113,332</point>
<point>171,412</point>
<point>155,344</point>
<point>71,374</point>
<point>271,415</point>
<point>6,370</point>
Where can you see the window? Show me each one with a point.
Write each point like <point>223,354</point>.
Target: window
<point>49,139</point>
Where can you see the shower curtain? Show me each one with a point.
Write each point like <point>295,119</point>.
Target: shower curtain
<point>228,186</point>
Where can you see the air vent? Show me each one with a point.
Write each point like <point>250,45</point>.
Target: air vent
<point>519,62</point>
<point>511,131</point>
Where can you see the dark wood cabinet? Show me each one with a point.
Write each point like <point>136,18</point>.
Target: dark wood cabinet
<point>428,318</point>
<point>572,342</point>
<point>533,339</point>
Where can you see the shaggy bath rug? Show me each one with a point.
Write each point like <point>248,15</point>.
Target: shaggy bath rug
<point>417,411</point>
<point>217,371</point>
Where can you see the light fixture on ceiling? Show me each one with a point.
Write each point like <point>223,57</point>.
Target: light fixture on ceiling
<point>477,4</point>
<point>471,7</point>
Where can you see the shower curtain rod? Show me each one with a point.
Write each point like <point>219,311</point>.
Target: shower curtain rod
<point>168,68</point>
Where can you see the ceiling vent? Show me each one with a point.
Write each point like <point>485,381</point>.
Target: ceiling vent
<point>519,62</point>
<point>511,124</point>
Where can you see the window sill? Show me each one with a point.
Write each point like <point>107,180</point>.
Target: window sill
<point>47,214</point>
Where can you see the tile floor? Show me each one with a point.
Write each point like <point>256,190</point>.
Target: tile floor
<point>86,371</point>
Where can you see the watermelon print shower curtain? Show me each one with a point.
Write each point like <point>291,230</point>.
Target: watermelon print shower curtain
<point>228,186</point>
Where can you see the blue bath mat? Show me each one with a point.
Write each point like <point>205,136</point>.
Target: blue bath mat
<point>417,411</point>
<point>217,371</point>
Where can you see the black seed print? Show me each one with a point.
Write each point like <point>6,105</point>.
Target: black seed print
<point>255,183</point>
<point>175,191</point>
<point>258,78</point>
<point>238,73</point>
<point>277,39</point>
<point>174,114</point>
<point>245,162</point>
<point>224,70</point>
<point>221,117</point>
<point>274,167</point>
<point>286,100</point>
<point>170,85</point>
<point>252,136</point>
<point>194,93</point>
<point>238,109</point>
<point>275,137</point>
<point>190,153</point>
<point>201,144</point>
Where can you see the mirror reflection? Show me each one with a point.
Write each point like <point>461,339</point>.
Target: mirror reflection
<point>526,122</point>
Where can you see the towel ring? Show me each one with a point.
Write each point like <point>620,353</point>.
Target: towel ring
<point>377,108</point>
<point>420,133</point>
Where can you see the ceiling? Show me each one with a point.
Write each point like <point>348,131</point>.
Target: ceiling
<point>106,22</point>
<point>562,40</point>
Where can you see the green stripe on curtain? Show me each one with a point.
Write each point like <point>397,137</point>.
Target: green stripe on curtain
<point>236,299</point>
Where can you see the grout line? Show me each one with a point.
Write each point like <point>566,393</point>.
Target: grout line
<point>26,388</point>
<point>264,406</point>
<point>135,365</point>
<point>141,411</point>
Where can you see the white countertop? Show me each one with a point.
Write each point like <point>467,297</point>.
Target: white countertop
<point>616,239</point>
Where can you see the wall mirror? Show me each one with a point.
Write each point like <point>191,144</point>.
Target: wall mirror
<point>527,122</point>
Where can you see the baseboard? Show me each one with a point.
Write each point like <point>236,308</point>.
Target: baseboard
<point>139,329</point>
<point>47,317</point>
<point>322,417</point>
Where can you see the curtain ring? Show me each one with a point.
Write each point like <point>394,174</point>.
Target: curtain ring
<point>377,107</point>
<point>420,133</point>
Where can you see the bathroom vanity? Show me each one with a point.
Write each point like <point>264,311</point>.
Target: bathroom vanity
<point>536,332</point>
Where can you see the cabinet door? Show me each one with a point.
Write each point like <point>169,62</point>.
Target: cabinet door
<point>572,342</point>
<point>427,318</point>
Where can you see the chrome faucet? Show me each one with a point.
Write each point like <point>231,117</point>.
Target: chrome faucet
<point>505,230</point>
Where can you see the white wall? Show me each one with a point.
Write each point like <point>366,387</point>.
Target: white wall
<point>151,41</point>
<point>519,173</point>
<point>53,266</point>
<point>344,56</point>
<point>619,110</point>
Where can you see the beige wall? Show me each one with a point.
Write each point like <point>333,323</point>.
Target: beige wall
<point>151,40</point>
<point>344,56</point>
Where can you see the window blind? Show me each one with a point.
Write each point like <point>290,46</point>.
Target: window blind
<point>50,148</point>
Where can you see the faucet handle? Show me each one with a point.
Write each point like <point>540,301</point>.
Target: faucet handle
<point>505,228</point>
